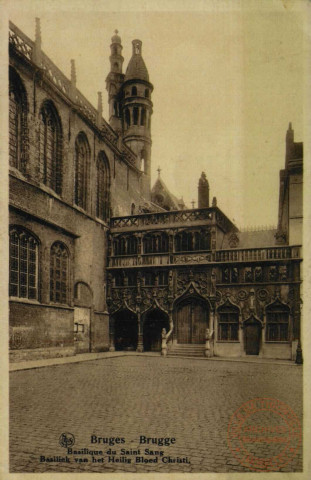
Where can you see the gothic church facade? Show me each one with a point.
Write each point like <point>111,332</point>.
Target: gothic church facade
<point>100,261</point>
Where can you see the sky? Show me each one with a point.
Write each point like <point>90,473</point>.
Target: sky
<point>227,80</point>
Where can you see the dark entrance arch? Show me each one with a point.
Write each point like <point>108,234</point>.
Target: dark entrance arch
<point>191,320</point>
<point>154,322</point>
<point>126,330</point>
<point>252,336</point>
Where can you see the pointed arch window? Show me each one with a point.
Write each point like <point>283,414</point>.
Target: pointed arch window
<point>59,273</point>
<point>23,264</point>
<point>103,187</point>
<point>277,328</point>
<point>228,323</point>
<point>50,147</point>
<point>82,160</point>
<point>18,131</point>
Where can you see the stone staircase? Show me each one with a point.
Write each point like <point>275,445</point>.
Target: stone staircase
<point>186,350</point>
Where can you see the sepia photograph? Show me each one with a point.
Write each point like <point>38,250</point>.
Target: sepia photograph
<point>155,237</point>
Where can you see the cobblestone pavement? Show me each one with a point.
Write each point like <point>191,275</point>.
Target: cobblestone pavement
<point>186,399</point>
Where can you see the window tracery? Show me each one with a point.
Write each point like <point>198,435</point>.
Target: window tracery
<point>23,264</point>
<point>50,147</point>
<point>59,273</point>
<point>18,131</point>
<point>82,157</point>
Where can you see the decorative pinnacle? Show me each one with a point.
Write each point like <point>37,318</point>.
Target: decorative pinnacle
<point>73,76</point>
<point>159,171</point>
<point>100,101</point>
<point>38,32</point>
<point>99,108</point>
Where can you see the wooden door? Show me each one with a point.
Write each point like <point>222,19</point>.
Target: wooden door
<point>252,338</point>
<point>191,322</point>
<point>184,324</point>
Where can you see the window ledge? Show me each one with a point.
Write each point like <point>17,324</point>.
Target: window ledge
<point>24,300</point>
<point>228,341</point>
<point>17,173</point>
<point>39,304</point>
<point>50,191</point>
<point>282,342</point>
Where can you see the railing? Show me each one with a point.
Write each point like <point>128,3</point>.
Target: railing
<point>163,218</point>
<point>133,261</point>
<point>257,254</point>
<point>241,255</point>
<point>20,42</point>
<point>55,75</point>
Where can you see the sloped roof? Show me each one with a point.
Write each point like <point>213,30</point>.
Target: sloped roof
<point>136,69</point>
<point>168,198</point>
<point>250,239</point>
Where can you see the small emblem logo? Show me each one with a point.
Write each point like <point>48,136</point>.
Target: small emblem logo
<point>66,440</point>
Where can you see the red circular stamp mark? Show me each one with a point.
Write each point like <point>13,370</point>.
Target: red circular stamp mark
<point>264,434</point>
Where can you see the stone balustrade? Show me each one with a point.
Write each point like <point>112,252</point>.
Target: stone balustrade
<point>194,258</point>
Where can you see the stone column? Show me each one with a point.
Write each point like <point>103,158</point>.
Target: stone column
<point>140,343</point>
<point>111,335</point>
<point>164,345</point>
<point>242,351</point>
<point>263,343</point>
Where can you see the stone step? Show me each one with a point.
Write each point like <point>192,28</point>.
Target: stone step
<point>187,350</point>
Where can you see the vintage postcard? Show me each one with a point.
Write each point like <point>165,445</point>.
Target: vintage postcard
<point>154,248</point>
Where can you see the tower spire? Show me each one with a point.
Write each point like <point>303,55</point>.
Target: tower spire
<point>114,81</point>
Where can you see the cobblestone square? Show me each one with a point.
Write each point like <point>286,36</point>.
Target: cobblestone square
<point>189,400</point>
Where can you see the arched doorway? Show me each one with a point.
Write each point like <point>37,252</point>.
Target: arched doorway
<point>252,336</point>
<point>126,330</point>
<point>191,320</point>
<point>154,322</point>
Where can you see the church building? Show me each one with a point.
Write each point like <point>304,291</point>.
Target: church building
<point>101,261</point>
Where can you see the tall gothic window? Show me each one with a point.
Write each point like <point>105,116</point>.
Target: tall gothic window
<point>50,147</point>
<point>228,323</point>
<point>82,158</point>
<point>103,187</point>
<point>18,132</point>
<point>59,273</point>
<point>23,264</point>
<point>277,328</point>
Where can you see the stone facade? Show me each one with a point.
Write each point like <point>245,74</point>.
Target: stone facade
<point>98,262</point>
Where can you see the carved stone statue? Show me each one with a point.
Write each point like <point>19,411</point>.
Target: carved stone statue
<point>208,337</point>
<point>164,345</point>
